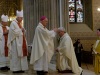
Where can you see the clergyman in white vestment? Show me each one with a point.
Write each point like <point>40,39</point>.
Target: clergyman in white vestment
<point>17,45</point>
<point>4,29</point>
<point>42,48</point>
<point>66,59</point>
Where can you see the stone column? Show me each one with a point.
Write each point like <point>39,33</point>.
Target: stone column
<point>28,8</point>
<point>65,15</point>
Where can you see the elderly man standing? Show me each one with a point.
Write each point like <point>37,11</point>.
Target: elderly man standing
<point>96,49</point>
<point>66,59</point>
<point>4,29</point>
<point>43,47</point>
<point>17,45</point>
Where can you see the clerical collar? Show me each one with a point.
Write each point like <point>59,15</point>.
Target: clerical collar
<point>1,24</point>
<point>42,25</point>
<point>16,21</point>
<point>64,36</point>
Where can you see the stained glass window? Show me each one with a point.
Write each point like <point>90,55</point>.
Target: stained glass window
<point>75,11</point>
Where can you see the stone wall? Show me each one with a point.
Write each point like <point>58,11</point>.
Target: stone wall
<point>83,32</point>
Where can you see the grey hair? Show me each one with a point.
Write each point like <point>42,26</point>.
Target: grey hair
<point>61,29</point>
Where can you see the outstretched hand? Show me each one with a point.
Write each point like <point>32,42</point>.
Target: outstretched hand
<point>55,30</point>
<point>56,50</point>
<point>6,32</point>
<point>23,30</point>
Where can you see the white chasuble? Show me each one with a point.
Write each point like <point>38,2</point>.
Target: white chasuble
<point>15,40</point>
<point>67,53</point>
<point>42,48</point>
<point>4,61</point>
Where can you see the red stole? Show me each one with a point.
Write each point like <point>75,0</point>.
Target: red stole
<point>6,38</point>
<point>24,46</point>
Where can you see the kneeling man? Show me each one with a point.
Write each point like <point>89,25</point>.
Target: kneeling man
<point>66,59</point>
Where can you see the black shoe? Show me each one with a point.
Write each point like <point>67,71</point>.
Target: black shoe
<point>7,68</point>
<point>21,71</point>
<point>18,71</point>
<point>40,73</point>
<point>65,71</point>
<point>15,71</point>
<point>81,72</point>
<point>45,72</point>
<point>4,68</point>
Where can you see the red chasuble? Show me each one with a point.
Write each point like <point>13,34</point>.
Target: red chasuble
<point>6,38</point>
<point>24,46</point>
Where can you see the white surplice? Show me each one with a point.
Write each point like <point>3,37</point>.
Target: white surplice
<point>42,48</point>
<point>4,61</point>
<point>15,41</point>
<point>67,55</point>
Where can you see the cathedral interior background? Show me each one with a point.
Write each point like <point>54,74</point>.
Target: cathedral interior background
<point>80,18</point>
<point>59,13</point>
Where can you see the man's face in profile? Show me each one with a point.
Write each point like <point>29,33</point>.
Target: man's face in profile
<point>98,33</point>
<point>45,22</point>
